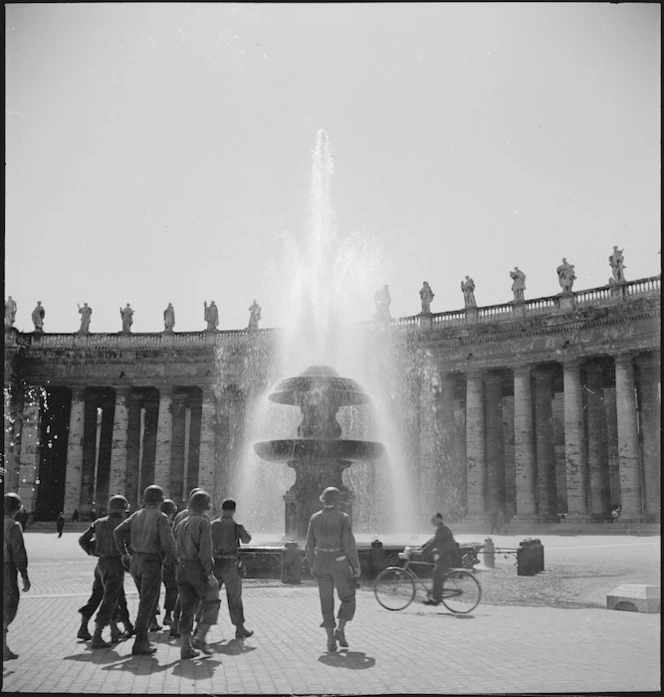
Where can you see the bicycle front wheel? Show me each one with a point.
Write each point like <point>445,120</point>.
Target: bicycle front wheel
<point>461,592</point>
<point>394,588</point>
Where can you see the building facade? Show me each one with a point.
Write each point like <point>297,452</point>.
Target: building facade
<point>543,408</point>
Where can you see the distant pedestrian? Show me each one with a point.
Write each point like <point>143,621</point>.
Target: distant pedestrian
<point>98,541</point>
<point>15,562</point>
<point>196,582</point>
<point>147,534</point>
<point>60,524</point>
<point>75,516</point>
<point>334,562</point>
<point>226,538</point>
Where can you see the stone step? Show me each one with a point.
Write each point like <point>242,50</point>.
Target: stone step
<point>635,597</point>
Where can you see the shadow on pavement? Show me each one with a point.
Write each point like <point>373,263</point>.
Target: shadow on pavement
<point>140,665</point>
<point>355,660</point>
<point>235,647</point>
<point>95,656</point>
<point>201,668</point>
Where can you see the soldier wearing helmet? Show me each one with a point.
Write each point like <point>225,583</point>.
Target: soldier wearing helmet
<point>15,562</point>
<point>185,511</point>
<point>196,582</point>
<point>333,560</point>
<point>98,541</point>
<point>147,533</point>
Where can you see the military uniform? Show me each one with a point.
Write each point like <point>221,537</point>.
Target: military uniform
<point>147,533</point>
<point>98,540</point>
<point>226,538</point>
<point>15,562</point>
<point>196,583</point>
<point>332,557</point>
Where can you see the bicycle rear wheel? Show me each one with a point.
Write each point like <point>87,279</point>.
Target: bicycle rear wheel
<point>394,588</point>
<point>461,592</point>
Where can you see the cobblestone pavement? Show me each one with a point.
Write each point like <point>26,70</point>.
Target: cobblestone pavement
<point>497,649</point>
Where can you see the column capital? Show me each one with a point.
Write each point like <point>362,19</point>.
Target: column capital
<point>165,390</point>
<point>571,362</point>
<point>523,370</point>
<point>474,373</point>
<point>78,392</point>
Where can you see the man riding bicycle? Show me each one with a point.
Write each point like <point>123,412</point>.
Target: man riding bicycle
<point>445,552</point>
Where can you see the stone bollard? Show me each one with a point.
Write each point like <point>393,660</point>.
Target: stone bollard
<point>377,558</point>
<point>489,554</point>
<point>291,563</point>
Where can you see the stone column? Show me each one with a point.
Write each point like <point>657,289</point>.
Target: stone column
<point>120,443</point>
<point>628,440</point>
<point>650,413</point>
<point>428,493</point>
<point>495,445</point>
<point>453,464</point>
<point>163,457</point>
<point>475,452</point>
<point>29,458</point>
<point>206,466</point>
<point>524,444</point>
<point>12,440</point>
<point>73,476</point>
<point>544,446</point>
<point>575,439</point>
<point>598,453</point>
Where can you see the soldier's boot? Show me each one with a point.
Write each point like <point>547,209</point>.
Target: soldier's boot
<point>331,641</point>
<point>83,631</point>
<point>168,619</point>
<point>186,648</point>
<point>7,653</point>
<point>129,629</point>
<point>175,629</point>
<point>154,625</point>
<point>198,640</point>
<point>116,633</point>
<point>97,641</point>
<point>142,646</point>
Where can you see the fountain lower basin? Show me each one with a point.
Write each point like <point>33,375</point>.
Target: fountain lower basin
<point>299,449</point>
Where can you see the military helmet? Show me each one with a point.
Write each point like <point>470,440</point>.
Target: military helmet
<point>153,494</point>
<point>200,501</point>
<point>12,503</point>
<point>331,496</point>
<point>118,503</point>
<point>168,507</point>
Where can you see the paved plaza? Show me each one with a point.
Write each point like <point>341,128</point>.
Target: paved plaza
<point>421,650</point>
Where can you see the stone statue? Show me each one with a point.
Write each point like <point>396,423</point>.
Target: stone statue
<point>468,288</point>
<point>566,276</point>
<point>211,316</point>
<point>10,312</point>
<point>127,315</point>
<point>382,299</point>
<point>86,314</point>
<point>519,284</point>
<point>426,296</point>
<point>169,318</point>
<point>616,261</point>
<point>254,315</point>
<point>38,315</point>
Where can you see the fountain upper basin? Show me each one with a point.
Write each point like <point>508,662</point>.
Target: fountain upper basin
<point>319,380</point>
<point>319,449</point>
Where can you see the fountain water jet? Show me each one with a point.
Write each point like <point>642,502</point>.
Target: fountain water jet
<point>332,283</point>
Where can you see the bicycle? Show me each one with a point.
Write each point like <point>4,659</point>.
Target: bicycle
<point>395,587</point>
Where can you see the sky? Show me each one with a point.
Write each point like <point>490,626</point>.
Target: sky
<point>162,153</point>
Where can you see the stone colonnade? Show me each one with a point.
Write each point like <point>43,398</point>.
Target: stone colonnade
<point>575,437</point>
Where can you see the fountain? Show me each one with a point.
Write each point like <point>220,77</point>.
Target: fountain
<point>319,456</point>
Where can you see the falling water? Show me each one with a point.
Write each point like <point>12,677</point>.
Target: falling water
<point>332,284</point>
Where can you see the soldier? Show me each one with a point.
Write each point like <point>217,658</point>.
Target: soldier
<point>98,541</point>
<point>226,538</point>
<point>196,582</point>
<point>15,562</point>
<point>147,533</point>
<point>333,560</point>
